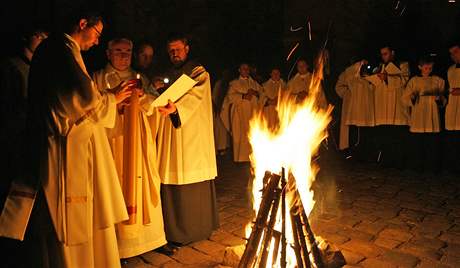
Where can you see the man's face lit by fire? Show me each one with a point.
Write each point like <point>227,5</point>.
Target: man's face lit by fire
<point>178,52</point>
<point>387,54</point>
<point>275,75</point>
<point>302,67</point>
<point>120,55</point>
<point>455,53</point>
<point>244,70</point>
<point>145,57</point>
<point>89,34</point>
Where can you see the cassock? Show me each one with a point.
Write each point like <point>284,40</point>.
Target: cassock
<point>270,92</point>
<point>422,95</point>
<point>236,114</point>
<point>72,177</point>
<point>388,106</point>
<point>452,121</point>
<point>301,83</point>
<point>357,102</point>
<point>391,116</point>
<point>187,161</point>
<point>14,74</point>
<point>147,231</point>
<point>221,136</point>
<point>453,105</point>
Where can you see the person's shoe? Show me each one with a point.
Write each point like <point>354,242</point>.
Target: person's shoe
<point>167,250</point>
<point>175,245</point>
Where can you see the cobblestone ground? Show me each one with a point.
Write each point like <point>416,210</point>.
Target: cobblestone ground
<point>377,217</point>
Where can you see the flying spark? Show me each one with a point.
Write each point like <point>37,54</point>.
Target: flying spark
<point>292,51</point>
<point>296,29</point>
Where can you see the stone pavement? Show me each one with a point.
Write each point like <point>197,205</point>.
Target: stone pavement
<point>377,217</point>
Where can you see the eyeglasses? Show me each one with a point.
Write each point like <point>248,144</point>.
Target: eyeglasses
<point>97,31</point>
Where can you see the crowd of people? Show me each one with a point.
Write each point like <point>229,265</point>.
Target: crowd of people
<point>98,172</point>
<point>402,120</point>
<point>387,115</point>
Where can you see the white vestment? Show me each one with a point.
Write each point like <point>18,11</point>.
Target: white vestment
<point>357,102</point>
<point>187,154</point>
<point>77,173</point>
<point>147,233</point>
<point>303,83</point>
<point>389,109</point>
<point>453,104</point>
<point>420,96</point>
<point>270,91</point>
<point>221,136</point>
<point>236,114</point>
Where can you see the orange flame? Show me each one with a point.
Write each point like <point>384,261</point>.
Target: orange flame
<point>302,128</point>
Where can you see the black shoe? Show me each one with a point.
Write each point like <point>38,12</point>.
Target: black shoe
<point>167,250</point>
<point>175,245</point>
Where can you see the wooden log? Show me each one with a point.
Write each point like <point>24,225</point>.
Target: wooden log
<point>302,241</point>
<point>276,246</point>
<point>296,247</point>
<point>269,230</point>
<point>252,247</point>
<point>316,254</point>
<point>283,262</point>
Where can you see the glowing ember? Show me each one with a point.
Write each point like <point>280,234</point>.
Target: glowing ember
<point>302,128</point>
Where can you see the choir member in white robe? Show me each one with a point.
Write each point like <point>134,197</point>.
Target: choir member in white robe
<point>390,114</point>
<point>146,232</point>
<point>78,198</point>
<point>423,95</point>
<point>357,107</point>
<point>269,97</point>
<point>187,160</point>
<point>300,85</point>
<point>221,135</point>
<point>452,116</point>
<point>242,101</point>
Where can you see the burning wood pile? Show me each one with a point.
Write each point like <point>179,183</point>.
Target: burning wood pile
<point>280,235</point>
<point>267,247</point>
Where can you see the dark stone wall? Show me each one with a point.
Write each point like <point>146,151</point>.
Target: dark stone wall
<point>227,32</point>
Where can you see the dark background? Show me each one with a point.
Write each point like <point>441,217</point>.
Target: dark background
<point>225,32</point>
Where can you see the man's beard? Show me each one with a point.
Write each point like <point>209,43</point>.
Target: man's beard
<point>178,62</point>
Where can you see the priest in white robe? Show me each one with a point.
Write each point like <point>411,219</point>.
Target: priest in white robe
<point>424,95</point>
<point>242,101</point>
<point>300,84</point>
<point>72,177</point>
<point>391,115</point>
<point>271,89</point>
<point>357,107</point>
<point>187,160</point>
<point>452,116</point>
<point>145,231</point>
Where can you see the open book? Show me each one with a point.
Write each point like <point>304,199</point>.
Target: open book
<point>392,69</point>
<point>175,91</point>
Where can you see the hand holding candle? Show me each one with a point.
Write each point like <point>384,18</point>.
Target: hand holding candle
<point>122,92</point>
